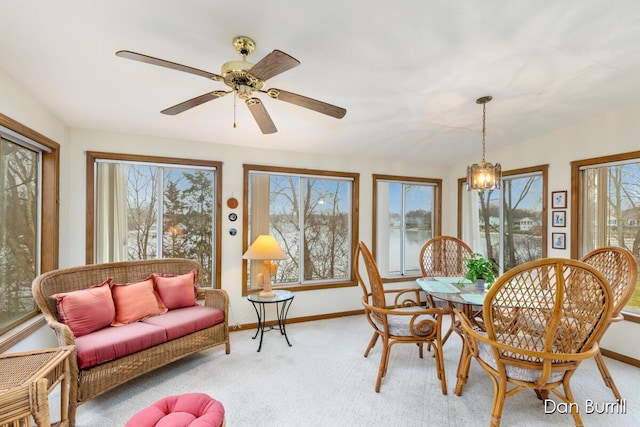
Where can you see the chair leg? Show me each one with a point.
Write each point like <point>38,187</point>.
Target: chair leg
<point>606,376</point>
<point>440,367</point>
<point>542,394</point>
<point>374,338</point>
<point>430,303</point>
<point>452,324</point>
<point>384,360</point>
<point>570,399</point>
<point>463,369</point>
<point>499,395</point>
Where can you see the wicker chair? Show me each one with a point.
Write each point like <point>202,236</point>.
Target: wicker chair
<point>442,256</point>
<point>402,298</point>
<point>542,319</point>
<point>20,404</point>
<point>400,323</point>
<point>620,269</point>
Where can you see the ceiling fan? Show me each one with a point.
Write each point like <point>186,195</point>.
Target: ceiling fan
<point>244,78</point>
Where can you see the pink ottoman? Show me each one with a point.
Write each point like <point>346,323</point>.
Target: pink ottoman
<point>190,409</point>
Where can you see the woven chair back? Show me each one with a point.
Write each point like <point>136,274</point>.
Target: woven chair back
<point>442,256</point>
<point>356,271</point>
<point>620,268</point>
<point>375,281</point>
<point>551,305</point>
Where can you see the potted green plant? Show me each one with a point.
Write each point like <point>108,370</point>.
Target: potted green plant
<point>480,270</point>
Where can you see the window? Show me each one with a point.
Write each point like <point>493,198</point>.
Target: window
<point>148,207</point>
<point>28,239</point>
<point>508,225</point>
<point>312,215</point>
<point>406,215</point>
<point>607,208</point>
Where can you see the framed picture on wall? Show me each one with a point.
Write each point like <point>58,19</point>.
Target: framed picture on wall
<point>559,199</point>
<point>559,218</point>
<point>559,240</point>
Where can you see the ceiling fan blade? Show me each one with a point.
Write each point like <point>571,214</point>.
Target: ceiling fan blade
<point>273,64</point>
<point>312,104</point>
<point>261,115</point>
<point>168,64</point>
<point>194,102</point>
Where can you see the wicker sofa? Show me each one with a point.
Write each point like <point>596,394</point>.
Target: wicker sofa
<point>90,379</point>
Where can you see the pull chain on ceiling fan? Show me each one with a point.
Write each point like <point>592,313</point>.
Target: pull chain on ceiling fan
<point>244,78</point>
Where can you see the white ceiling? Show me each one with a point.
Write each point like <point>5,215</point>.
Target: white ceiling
<point>408,72</point>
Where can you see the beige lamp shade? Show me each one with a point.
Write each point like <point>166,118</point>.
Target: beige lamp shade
<point>265,247</point>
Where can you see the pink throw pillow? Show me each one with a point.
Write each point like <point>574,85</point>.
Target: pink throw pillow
<point>86,310</point>
<point>135,301</point>
<point>177,291</point>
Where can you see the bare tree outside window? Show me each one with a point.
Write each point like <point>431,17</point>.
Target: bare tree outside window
<point>310,217</point>
<point>19,177</point>
<point>610,206</point>
<point>170,212</point>
<point>513,235</point>
<point>141,212</point>
<point>313,212</point>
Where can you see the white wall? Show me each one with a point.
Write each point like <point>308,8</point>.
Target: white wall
<point>308,303</point>
<point>18,104</point>
<point>609,134</point>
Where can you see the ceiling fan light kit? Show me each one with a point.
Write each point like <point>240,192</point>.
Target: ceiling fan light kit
<point>484,175</point>
<point>244,78</point>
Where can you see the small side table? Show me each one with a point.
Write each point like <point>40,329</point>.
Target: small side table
<point>51,363</point>
<point>282,300</point>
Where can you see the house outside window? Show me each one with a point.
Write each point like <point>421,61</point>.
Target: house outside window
<point>607,208</point>
<point>509,224</point>
<point>149,208</point>
<point>312,215</point>
<point>406,215</point>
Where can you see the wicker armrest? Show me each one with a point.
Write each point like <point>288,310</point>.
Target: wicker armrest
<point>405,297</point>
<point>216,298</point>
<point>62,331</point>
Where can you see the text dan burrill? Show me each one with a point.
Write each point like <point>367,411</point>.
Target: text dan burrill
<point>590,407</point>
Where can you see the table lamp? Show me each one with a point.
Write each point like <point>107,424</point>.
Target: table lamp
<point>265,248</point>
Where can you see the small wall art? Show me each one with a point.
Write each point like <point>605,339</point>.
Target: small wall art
<point>559,199</point>
<point>559,218</point>
<point>559,240</point>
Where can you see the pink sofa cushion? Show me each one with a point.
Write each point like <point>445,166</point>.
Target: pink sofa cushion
<point>111,343</point>
<point>177,291</point>
<point>183,321</point>
<point>86,310</point>
<point>136,301</point>
<point>190,409</point>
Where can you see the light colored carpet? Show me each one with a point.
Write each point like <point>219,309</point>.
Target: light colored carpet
<point>324,380</point>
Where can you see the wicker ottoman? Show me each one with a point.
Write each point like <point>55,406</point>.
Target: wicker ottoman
<point>190,409</point>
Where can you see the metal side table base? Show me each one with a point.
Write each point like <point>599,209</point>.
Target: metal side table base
<point>282,300</point>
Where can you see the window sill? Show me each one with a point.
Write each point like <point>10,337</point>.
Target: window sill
<point>301,288</point>
<point>631,317</point>
<point>400,279</point>
<point>20,332</point>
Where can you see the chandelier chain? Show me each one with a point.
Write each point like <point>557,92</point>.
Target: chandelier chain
<point>484,109</point>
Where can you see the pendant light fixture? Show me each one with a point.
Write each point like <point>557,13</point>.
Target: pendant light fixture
<point>483,175</point>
